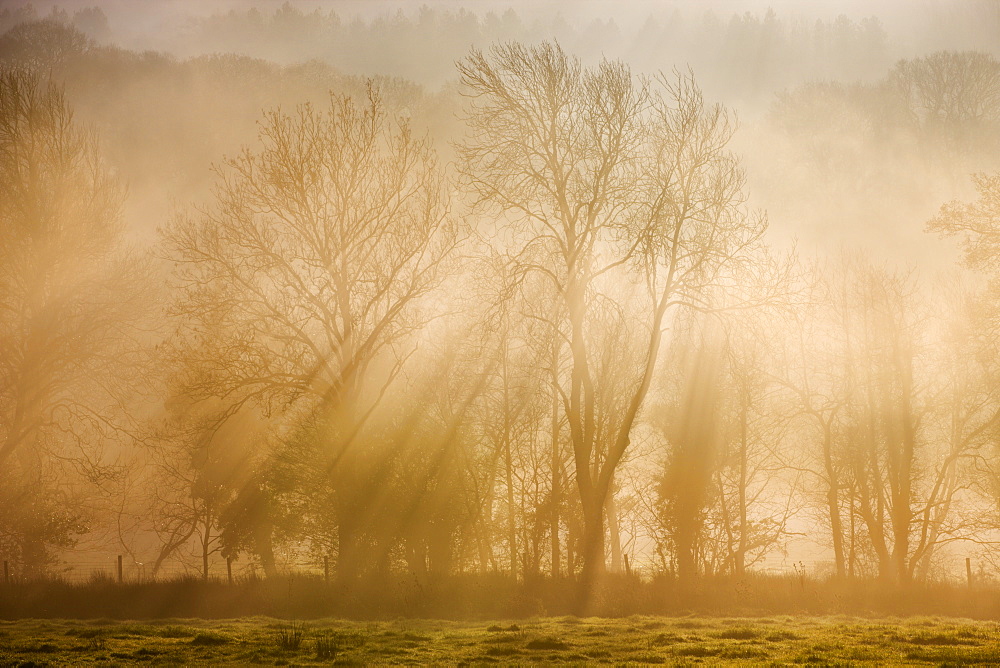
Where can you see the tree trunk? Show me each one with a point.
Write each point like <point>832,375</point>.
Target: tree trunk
<point>614,534</point>
<point>33,557</point>
<point>265,549</point>
<point>484,549</point>
<point>687,568</point>
<point>741,550</point>
<point>853,555</point>
<point>570,555</point>
<point>509,471</point>
<point>902,514</point>
<point>592,553</point>
<point>204,555</point>
<point>511,525</point>
<point>416,557</point>
<point>556,465</point>
<point>832,500</point>
<point>348,553</point>
<point>837,530</point>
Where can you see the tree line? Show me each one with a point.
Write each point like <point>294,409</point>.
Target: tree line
<point>564,348</point>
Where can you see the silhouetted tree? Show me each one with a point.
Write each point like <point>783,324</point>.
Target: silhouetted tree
<point>311,266</point>
<point>67,303</point>
<point>951,93</point>
<point>600,173</point>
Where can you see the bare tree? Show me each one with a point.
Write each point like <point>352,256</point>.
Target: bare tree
<point>977,224</point>
<point>312,265</point>
<point>691,424</point>
<point>67,302</point>
<point>754,498</point>
<point>723,502</point>
<point>602,174</point>
<point>43,45</point>
<point>972,372</point>
<point>964,410</point>
<point>898,432</point>
<point>814,377</point>
<point>200,473</point>
<point>949,90</point>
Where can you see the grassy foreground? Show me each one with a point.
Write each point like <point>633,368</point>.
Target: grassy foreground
<point>632,640</point>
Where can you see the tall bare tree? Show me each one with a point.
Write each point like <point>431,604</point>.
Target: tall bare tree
<point>66,306</point>
<point>896,422</point>
<point>302,285</point>
<point>601,174</point>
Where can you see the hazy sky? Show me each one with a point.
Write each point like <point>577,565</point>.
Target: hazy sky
<point>907,21</point>
<point>913,29</point>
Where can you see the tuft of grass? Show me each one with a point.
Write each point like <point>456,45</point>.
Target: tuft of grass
<point>174,632</point>
<point>209,638</point>
<point>939,639</point>
<point>742,633</point>
<point>546,643</point>
<point>742,652</point>
<point>501,650</point>
<point>597,654</point>
<point>955,656</point>
<point>861,653</point>
<point>86,633</point>
<point>327,647</point>
<point>290,637</point>
<point>697,651</point>
<point>666,639</point>
<point>496,628</point>
<point>812,657</point>
<point>650,659</point>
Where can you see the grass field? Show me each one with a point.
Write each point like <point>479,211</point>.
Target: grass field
<point>632,640</point>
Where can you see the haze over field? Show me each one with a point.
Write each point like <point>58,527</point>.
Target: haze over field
<point>550,292</point>
<point>743,55</point>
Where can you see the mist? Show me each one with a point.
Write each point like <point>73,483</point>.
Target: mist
<point>501,309</point>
